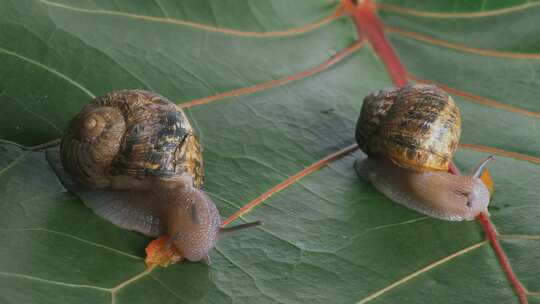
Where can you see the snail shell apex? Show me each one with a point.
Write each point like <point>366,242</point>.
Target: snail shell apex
<point>416,126</point>
<point>125,137</point>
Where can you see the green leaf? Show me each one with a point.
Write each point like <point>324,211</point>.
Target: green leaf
<point>285,81</point>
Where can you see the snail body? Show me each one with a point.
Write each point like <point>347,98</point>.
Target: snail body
<point>134,159</point>
<point>409,135</point>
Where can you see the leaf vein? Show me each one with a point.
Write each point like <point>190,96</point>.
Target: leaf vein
<point>14,162</point>
<point>289,32</point>
<point>421,271</point>
<point>71,237</point>
<point>277,82</point>
<point>459,47</point>
<point>501,152</point>
<point>166,288</point>
<point>520,237</point>
<point>418,13</point>
<point>134,278</point>
<point>479,99</point>
<point>33,278</point>
<point>289,181</point>
<point>49,69</point>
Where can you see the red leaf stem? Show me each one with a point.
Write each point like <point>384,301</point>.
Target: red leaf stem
<point>370,27</point>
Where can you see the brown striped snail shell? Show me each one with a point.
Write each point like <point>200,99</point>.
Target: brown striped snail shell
<point>134,159</point>
<point>409,135</point>
<point>123,137</point>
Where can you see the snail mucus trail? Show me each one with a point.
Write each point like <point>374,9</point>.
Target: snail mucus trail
<point>134,159</point>
<point>409,135</point>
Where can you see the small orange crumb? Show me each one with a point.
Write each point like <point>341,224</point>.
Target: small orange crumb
<point>486,179</point>
<point>158,254</point>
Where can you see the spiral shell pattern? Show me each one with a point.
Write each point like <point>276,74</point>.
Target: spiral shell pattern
<point>129,138</point>
<point>417,126</point>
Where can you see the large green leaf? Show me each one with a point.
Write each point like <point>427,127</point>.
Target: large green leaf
<point>328,237</point>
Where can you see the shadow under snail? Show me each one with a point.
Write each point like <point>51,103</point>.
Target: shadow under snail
<point>133,158</point>
<point>409,135</point>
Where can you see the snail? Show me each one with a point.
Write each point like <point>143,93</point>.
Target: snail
<point>409,135</point>
<point>133,158</point>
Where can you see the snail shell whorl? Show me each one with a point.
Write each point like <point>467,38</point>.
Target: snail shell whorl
<point>91,144</point>
<point>121,138</point>
<point>417,127</point>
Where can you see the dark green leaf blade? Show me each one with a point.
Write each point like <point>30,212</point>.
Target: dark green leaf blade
<point>328,237</point>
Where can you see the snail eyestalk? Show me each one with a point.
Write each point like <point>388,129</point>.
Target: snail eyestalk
<point>227,230</point>
<point>481,167</point>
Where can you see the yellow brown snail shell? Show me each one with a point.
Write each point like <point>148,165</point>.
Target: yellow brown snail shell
<point>418,127</point>
<point>134,159</point>
<point>409,135</point>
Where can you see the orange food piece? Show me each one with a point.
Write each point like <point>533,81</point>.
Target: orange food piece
<point>158,253</point>
<point>486,179</point>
